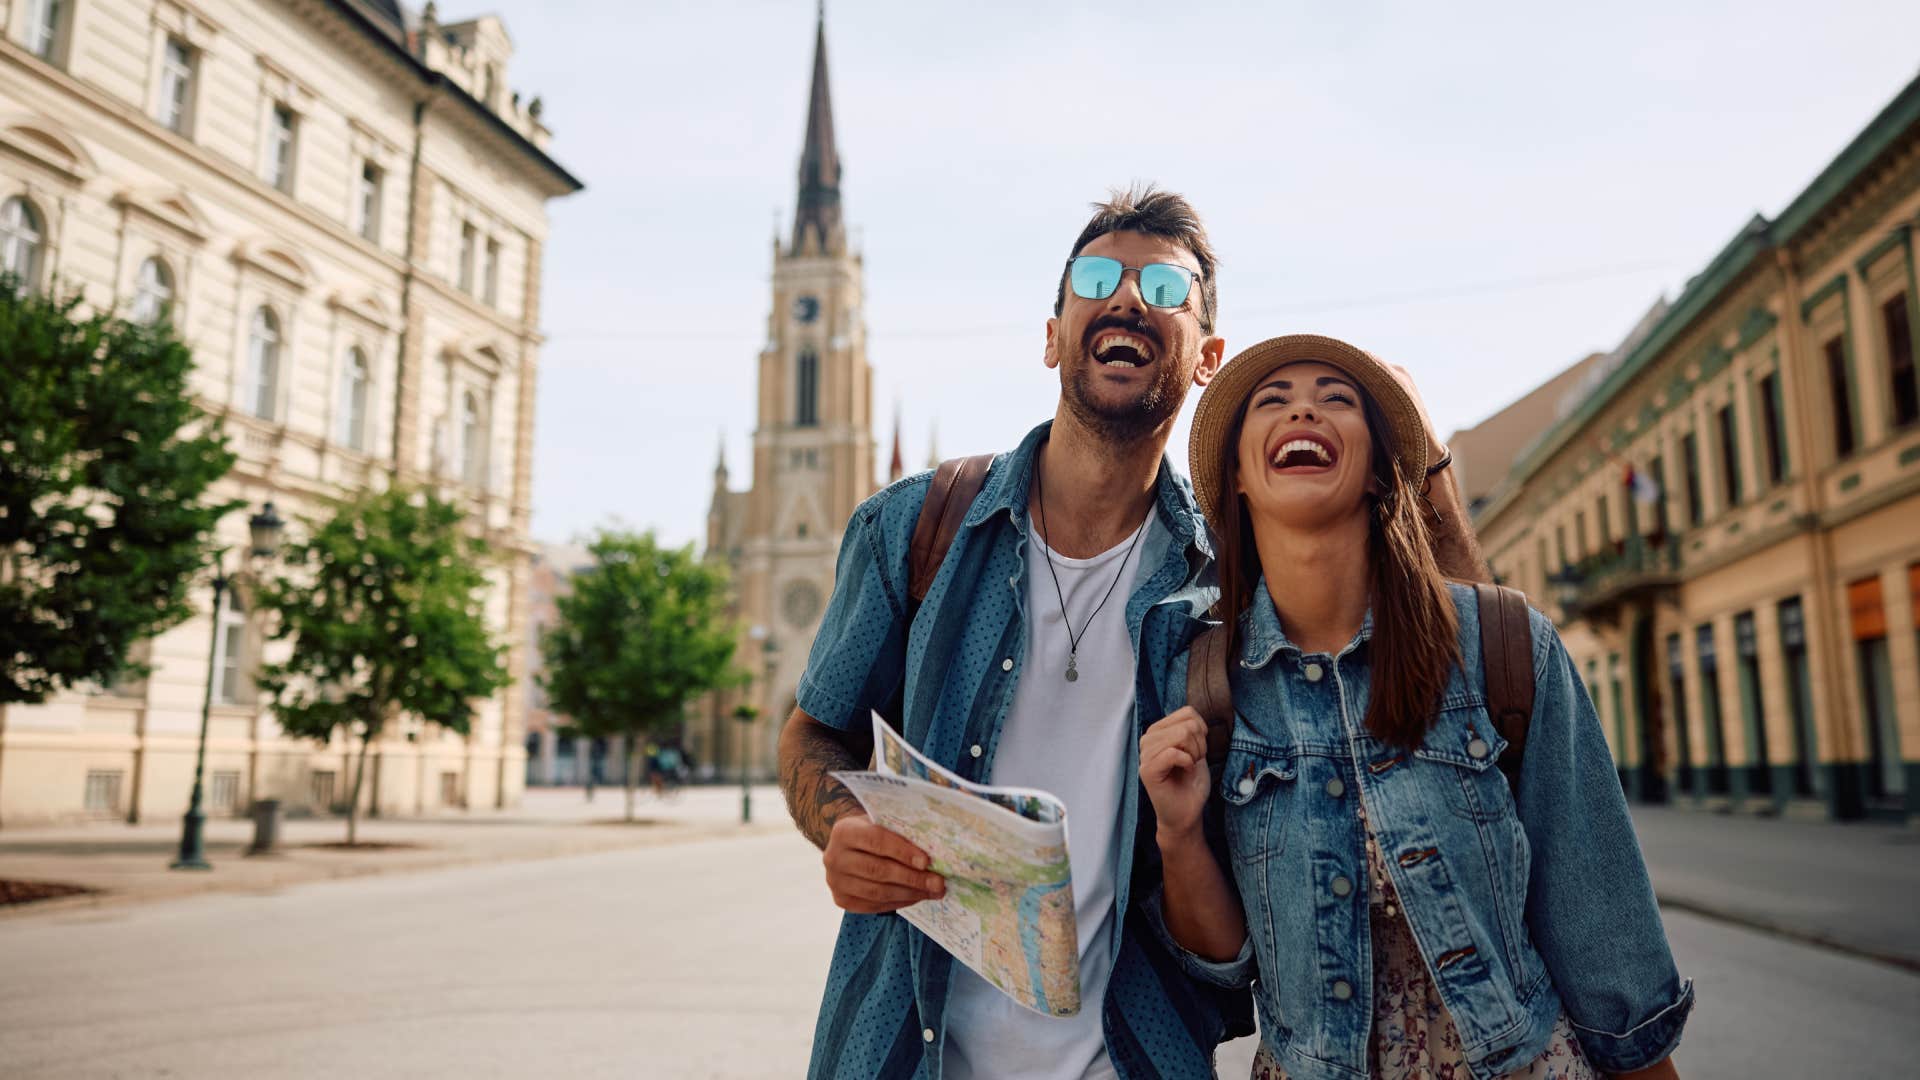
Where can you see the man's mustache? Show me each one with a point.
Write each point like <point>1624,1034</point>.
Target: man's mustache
<point>1136,325</point>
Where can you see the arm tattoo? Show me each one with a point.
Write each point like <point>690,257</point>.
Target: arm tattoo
<point>809,752</point>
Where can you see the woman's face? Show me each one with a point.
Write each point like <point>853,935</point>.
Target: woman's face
<point>1306,454</point>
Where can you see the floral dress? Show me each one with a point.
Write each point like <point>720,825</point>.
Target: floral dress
<point>1412,1037</point>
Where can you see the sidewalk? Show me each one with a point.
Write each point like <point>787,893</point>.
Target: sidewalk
<point>1853,887</point>
<point>129,863</point>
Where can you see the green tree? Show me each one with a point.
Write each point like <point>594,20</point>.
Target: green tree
<point>642,632</point>
<point>383,605</point>
<point>105,465</point>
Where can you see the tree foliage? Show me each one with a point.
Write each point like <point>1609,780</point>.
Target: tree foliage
<point>105,466</point>
<point>383,605</point>
<point>642,632</point>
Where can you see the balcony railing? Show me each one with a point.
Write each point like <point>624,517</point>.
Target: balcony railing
<point>1598,585</point>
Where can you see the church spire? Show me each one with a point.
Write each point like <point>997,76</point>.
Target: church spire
<point>898,466</point>
<point>818,210</point>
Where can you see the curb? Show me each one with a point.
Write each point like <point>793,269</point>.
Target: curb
<point>1788,932</point>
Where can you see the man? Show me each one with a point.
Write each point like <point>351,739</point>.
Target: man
<point>1081,568</point>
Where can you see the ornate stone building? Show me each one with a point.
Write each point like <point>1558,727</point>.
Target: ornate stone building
<point>341,207</point>
<point>1727,528</point>
<point>813,454</point>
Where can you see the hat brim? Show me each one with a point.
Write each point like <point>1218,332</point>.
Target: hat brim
<point>1221,403</point>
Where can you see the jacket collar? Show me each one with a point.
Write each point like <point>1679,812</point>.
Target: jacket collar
<point>1261,636</point>
<point>1006,493</point>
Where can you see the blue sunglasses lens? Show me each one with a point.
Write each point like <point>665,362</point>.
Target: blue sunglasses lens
<point>1164,285</point>
<point>1094,277</point>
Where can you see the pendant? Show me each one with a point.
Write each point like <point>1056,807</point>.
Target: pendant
<point>1073,669</point>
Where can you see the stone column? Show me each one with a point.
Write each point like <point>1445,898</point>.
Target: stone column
<point>1733,736</point>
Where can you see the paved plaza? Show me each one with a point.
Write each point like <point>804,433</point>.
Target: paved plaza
<point>700,957</point>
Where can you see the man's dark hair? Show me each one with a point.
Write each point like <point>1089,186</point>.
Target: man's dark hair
<point>1144,208</point>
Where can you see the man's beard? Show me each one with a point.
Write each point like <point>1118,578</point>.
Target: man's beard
<point>1122,421</point>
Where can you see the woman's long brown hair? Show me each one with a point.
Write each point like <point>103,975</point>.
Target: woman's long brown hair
<point>1416,632</point>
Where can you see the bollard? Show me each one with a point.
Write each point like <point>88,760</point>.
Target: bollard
<point>266,827</point>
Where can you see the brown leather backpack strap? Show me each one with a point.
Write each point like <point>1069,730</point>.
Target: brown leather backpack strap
<point>1506,654</point>
<point>1209,690</point>
<point>955,485</point>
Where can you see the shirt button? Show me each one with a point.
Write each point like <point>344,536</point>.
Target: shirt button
<point>1007,664</point>
<point>974,750</point>
<point>1247,786</point>
<point>1314,671</point>
<point>1336,787</point>
<point>1342,886</point>
<point>927,1035</point>
<point>1477,749</point>
<point>1342,990</point>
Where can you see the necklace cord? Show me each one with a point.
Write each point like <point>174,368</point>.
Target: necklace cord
<point>1046,536</point>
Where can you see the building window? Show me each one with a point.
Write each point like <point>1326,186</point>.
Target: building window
<point>230,649</point>
<point>22,238</point>
<point>1710,711</point>
<point>1560,544</point>
<point>369,201</point>
<point>469,240</point>
<point>1906,392</point>
<point>1677,691</point>
<point>225,794</point>
<point>263,364</point>
<point>353,400</point>
<point>1772,425</point>
<point>450,789</point>
<point>1606,523</point>
<point>1793,643</point>
<point>44,28</point>
<point>1729,457</point>
<point>473,441</point>
<point>1753,711</point>
<point>1867,618</point>
<point>1579,535</point>
<point>280,148</point>
<point>320,789</point>
<point>806,410</point>
<point>176,87</point>
<point>103,791</point>
<point>152,291</point>
<point>1690,455</point>
<point>490,274</point>
<point>1836,353</point>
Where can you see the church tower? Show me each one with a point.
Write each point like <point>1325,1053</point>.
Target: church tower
<point>813,447</point>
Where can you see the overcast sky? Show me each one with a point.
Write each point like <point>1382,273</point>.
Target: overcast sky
<point>1482,197</point>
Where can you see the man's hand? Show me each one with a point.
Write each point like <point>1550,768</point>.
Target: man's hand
<point>872,871</point>
<point>1435,448</point>
<point>1173,766</point>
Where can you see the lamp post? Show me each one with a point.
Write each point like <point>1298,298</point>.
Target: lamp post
<point>266,529</point>
<point>769,653</point>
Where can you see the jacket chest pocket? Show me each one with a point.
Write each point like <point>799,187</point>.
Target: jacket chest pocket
<point>1257,785</point>
<point>1459,757</point>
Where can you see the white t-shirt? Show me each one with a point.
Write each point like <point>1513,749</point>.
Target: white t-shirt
<point>1071,739</point>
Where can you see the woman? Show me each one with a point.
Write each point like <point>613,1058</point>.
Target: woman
<point>1407,912</point>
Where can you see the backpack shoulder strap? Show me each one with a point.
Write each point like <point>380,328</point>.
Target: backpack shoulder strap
<point>1209,691</point>
<point>955,485</point>
<point>1506,653</point>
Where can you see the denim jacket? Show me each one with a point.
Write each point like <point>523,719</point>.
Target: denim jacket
<point>1524,903</point>
<point>884,1011</point>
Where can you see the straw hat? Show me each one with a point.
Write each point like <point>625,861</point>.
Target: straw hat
<point>1221,403</point>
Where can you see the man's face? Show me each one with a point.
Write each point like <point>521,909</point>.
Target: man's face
<point>1124,364</point>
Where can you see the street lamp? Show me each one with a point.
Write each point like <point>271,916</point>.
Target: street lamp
<point>266,529</point>
<point>769,652</point>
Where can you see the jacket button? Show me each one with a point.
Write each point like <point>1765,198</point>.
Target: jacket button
<point>1336,787</point>
<point>1314,671</point>
<point>1342,886</point>
<point>1007,664</point>
<point>927,1035</point>
<point>974,750</point>
<point>1342,990</point>
<point>1477,749</point>
<point>1247,786</point>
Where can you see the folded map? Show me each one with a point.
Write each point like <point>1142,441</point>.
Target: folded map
<point>1008,911</point>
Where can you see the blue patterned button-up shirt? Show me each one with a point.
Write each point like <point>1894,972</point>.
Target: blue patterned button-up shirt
<point>885,1009</point>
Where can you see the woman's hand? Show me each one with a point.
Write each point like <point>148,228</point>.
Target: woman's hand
<point>1173,766</point>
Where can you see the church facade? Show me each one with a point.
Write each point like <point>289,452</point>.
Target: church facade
<point>812,455</point>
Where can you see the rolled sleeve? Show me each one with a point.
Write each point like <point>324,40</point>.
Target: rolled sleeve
<point>1234,974</point>
<point>1590,902</point>
<point>859,652</point>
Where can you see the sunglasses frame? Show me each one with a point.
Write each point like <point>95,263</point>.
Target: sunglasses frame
<point>1194,277</point>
